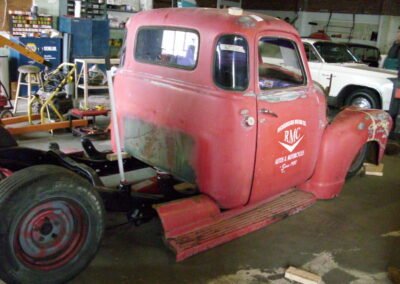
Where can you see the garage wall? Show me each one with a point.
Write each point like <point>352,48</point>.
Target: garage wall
<point>271,5</point>
<point>385,26</point>
<point>389,27</point>
<point>377,7</point>
<point>23,5</point>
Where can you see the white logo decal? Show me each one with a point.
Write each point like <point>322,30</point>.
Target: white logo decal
<point>291,148</point>
<point>292,136</point>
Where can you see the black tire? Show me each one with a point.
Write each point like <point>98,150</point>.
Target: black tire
<point>363,98</point>
<point>358,162</point>
<point>51,225</point>
<point>6,113</point>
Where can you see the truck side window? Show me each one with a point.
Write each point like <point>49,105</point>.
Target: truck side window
<point>231,63</point>
<point>279,64</point>
<point>168,47</point>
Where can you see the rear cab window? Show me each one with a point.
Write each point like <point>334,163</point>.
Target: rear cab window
<point>231,63</point>
<point>172,47</point>
<point>280,65</point>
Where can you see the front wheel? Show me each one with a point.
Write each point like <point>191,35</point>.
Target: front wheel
<point>362,98</point>
<point>358,162</point>
<point>51,225</point>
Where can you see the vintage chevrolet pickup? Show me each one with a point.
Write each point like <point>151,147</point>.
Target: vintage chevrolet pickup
<point>222,100</point>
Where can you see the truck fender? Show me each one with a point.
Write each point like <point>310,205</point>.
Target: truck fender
<point>342,140</point>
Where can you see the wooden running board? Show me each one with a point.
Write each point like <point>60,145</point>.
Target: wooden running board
<point>225,229</point>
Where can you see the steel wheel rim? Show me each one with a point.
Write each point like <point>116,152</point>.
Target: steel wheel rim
<point>361,102</point>
<point>50,234</point>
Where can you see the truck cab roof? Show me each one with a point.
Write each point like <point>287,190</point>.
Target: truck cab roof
<point>205,20</point>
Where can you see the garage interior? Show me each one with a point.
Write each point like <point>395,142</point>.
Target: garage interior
<point>352,238</point>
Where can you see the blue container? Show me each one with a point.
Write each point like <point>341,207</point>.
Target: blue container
<point>49,48</point>
<point>89,37</point>
<point>391,63</point>
<point>187,4</point>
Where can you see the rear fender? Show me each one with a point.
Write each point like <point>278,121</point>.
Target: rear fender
<point>342,140</point>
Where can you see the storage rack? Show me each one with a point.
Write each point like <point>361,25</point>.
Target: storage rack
<point>90,8</point>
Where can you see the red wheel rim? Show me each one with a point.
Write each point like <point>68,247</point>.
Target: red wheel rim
<point>50,234</point>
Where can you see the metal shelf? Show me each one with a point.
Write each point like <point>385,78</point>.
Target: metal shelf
<point>121,11</point>
<point>82,73</point>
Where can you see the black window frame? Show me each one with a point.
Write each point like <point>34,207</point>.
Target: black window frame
<point>172,28</point>
<point>122,51</point>
<point>300,59</point>
<point>312,49</point>
<point>248,63</point>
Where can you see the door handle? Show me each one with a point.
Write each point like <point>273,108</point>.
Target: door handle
<point>267,111</point>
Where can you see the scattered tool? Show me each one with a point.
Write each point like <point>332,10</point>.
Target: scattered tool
<point>90,130</point>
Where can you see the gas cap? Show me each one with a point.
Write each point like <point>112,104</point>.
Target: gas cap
<point>249,121</point>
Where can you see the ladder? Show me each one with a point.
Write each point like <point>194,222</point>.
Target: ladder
<point>229,3</point>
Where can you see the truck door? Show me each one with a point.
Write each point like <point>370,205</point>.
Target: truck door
<point>289,118</point>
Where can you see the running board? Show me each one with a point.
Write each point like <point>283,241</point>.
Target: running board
<point>217,228</point>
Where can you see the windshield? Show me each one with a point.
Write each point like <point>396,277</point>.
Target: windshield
<point>334,53</point>
<point>279,64</point>
<point>365,53</point>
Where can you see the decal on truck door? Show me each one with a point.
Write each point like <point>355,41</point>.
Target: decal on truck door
<point>291,134</point>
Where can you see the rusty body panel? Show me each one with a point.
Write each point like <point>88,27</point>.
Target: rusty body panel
<point>263,153</point>
<point>346,135</point>
<point>218,148</point>
<point>161,147</point>
<point>213,228</point>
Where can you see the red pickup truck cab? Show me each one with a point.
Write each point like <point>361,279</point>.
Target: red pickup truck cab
<point>222,100</point>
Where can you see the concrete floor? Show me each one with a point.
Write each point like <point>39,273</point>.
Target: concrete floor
<point>351,239</point>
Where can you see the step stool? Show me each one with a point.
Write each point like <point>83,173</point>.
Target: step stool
<point>91,130</point>
<point>30,72</point>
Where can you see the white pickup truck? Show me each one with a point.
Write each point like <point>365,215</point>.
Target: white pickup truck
<point>349,82</point>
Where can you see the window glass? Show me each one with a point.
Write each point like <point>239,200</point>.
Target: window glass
<point>365,53</point>
<point>310,53</point>
<point>334,52</point>
<point>279,64</point>
<point>372,54</point>
<point>357,52</point>
<point>169,47</point>
<point>231,63</point>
